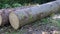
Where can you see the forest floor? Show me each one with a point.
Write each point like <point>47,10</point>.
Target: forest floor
<point>47,24</point>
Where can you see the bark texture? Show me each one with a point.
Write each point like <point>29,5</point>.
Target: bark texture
<point>4,14</point>
<point>28,15</point>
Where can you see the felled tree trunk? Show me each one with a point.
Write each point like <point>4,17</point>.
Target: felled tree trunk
<point>4,14</point>
<point>1,16</point>
<point>24,16</point>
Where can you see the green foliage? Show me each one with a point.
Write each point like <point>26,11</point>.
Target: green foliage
<point>6,6</point>
<point>55,22</point>
<point>9,6</point>
<point>17,3</point>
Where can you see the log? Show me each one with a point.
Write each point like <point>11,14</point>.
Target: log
<point>1,16</point>
<point>4,14</point>
<point>28,15</point>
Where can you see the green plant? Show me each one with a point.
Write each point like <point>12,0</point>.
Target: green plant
<point>16,5</point>
<point>6,6</point>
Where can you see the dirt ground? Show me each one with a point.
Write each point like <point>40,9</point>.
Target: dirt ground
<point>47,24</point>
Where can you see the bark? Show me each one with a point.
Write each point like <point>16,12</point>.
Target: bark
<point>4,14</point>
<point>21,17</point>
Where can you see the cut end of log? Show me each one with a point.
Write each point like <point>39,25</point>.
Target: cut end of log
<point>0,20</point>
<point>14,21</point>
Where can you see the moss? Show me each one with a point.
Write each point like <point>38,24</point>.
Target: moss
<point>22,16</point>
<point>30,18</point>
